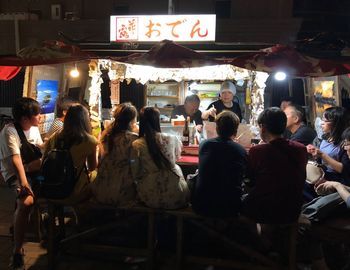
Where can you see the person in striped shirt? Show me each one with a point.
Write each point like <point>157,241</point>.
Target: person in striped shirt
<point>62,107</point>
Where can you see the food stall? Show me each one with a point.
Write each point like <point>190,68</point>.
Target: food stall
<point>166,87</point>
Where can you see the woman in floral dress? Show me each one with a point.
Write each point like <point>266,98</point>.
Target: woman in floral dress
<point>159,180</point>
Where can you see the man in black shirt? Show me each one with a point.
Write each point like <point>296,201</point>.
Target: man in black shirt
<point>222,164</point>
<point>227,93</point>
<point>299,132</point>
<point>190,108</point>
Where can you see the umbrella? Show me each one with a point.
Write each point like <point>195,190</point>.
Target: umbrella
<point>289,60</point>
<point>8,72</point>
<point>168,54</point>
<point>51,52</point>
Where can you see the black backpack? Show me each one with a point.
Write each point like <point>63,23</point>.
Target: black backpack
<point>29,151</point>
<point>59,173</point>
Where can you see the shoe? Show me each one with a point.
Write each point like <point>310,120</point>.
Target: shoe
<point>17,262</point>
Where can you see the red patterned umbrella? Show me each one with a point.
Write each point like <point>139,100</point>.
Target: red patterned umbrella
<point>52,52</point>
<point>8,72</point>
<point>167,54</point>
<point>287,59</point>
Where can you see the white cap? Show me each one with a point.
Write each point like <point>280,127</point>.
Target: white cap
<point>228,86</point>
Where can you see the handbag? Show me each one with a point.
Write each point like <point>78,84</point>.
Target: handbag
<point>314,172</point>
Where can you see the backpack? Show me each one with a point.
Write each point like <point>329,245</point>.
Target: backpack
<point>59,175</point>
<point>29,151</point>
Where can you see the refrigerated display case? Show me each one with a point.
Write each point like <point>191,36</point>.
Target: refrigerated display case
<point>164,96</point>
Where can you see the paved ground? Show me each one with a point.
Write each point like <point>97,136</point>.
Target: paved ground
<point>36,258</point>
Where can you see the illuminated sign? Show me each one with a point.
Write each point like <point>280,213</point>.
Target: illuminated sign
<point>156,28</point>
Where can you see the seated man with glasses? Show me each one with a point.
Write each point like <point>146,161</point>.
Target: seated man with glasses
<point>299,131</point>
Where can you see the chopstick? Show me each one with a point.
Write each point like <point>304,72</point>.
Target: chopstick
<point>241,135</point>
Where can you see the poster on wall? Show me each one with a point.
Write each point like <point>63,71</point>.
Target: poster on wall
<point>47,92</point>
<point>325,95</point>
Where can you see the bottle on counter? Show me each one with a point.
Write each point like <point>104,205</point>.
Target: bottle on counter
<point>186,133</point>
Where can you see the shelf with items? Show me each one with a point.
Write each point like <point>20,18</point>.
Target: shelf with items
<point>164,96</point>
<point>207,92</point>
<point>166,108</point>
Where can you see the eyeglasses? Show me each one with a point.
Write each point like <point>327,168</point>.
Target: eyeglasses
<point>345,143</point>
<point>325,120</point>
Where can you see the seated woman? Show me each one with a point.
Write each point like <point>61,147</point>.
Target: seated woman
<point>114,183</point>
<point>313,245</point>
<point>159,180</point>
<point>76,135</point>
<point>335,121</point>
<point>344,167</point>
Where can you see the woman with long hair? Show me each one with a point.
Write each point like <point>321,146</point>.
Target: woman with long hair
<point>76,136</point>
<point>159,180</point>
<point>335,120</point>
<point>333,186</point>
<point>114,183</point>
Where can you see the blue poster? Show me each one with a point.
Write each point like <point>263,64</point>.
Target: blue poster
<point>47,92</point>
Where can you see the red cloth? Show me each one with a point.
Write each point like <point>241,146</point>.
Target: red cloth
<point>7,72</point>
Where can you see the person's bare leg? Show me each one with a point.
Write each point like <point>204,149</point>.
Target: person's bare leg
<point>21,219</point>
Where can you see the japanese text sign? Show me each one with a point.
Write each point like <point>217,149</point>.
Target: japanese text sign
<point>159,27</point>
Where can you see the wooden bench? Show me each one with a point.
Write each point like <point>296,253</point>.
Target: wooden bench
<point>57,239</point>
<point>335,230</point>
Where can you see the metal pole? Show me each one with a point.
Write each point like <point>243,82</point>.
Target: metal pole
<point>170,7</point>
<point>17,42</point>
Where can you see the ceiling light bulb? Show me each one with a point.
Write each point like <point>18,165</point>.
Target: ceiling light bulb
<point>74,73</point>
<point>280,76</point>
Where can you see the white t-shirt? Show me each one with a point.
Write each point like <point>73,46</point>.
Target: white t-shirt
<point>10,145</point>
<point>33,136</point>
